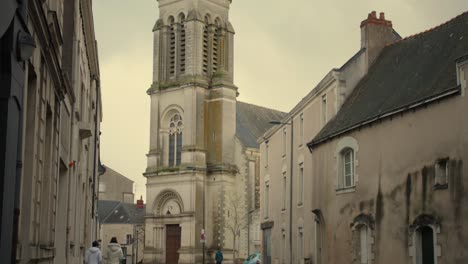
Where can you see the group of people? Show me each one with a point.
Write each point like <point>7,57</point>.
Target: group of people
<point>113,255</point>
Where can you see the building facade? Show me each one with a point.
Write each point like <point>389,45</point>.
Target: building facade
<point>285,201</point>
<point>62,115</point>
<point>381,177</point>
<point>202,174</point>
<point>113,186</point>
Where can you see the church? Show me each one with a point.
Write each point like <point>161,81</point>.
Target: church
<point>203,160</point>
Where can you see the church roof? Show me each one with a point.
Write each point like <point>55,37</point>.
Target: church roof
<point>407,73</point>
<point>115,212</point>
<point>252,121</point>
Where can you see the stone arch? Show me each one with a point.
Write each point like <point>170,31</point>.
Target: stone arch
<point>429,223</point>
<point>165,198</point>
<point>169,111</point>
<point>170,20</point>
<point>207,19</point>
<point>181,17</point>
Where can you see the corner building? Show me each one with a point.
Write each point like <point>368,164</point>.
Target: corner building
<point>203,159</point>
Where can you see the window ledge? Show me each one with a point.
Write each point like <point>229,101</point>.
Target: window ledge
<point>346,190</point>
<point>300,205</point>
<point>283,210</point>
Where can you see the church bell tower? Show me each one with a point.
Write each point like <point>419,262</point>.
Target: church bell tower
<point>192,131</point>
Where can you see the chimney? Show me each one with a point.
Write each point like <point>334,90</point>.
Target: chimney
<point>376,33</point>
<point>140,204</point>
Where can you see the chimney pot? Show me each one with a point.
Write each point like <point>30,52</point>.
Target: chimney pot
<point>374,14</point>
<point>382,15</point>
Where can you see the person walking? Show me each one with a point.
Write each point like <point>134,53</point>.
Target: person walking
<point>114,252</point>
<point>93,254</point>
<point>219,256</point>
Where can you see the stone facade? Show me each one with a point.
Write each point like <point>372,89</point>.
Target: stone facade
<point>202,176</point>
<point>57,220</point>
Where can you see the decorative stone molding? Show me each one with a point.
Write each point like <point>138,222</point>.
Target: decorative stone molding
<point>165,197</point>
<point>424,220</point>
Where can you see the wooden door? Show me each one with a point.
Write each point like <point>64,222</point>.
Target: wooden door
<point>172,244</point>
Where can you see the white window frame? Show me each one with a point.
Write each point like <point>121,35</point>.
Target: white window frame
<point>344,163</point>
<point>342,146</point>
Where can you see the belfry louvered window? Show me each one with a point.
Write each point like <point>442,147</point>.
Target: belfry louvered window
<point>172,47</point>
<point>175,140</point>
<point>215,61</point>
<point>182,44</point>
<point>205,46</point>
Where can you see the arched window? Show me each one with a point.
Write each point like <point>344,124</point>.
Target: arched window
<point>216,44</point>
<point>172,46</point>
<point>423,234</point>
<point>425,245</point>
<point>363,239</point>
<point>347,168</point>
<point>182,44</point>
<point>363,244</point>
<point>319,227</point>
<point>175,140</point>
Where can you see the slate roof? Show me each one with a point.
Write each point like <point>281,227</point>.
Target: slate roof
<point>407,72</point>
<point>115,212</point>
<point>252,121</point>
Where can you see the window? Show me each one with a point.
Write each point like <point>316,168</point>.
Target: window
<point>284,191</point>
<point>363,244</point>
<point>441,174</point>
<point>102,187</point>
<point>318,237</point>
<point>172,46</point>
<point>300,185</point>
<point>324,109</point>
<point>182,44</point>
<point>267,198</point>
<point>284,141</point>
<point>301,129</point>
<point>206,45</point>
<point>346,168</point>
<point>425,245</point>
<point>284,247</point>
<point>300,246</point>
<point>175,140</point>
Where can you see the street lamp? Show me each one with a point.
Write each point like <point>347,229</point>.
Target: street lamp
<point>276,122</point>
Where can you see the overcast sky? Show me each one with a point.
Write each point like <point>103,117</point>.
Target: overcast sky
<point>282,50</point>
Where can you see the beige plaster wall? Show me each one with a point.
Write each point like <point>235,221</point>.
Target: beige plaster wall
<point>395,169</point>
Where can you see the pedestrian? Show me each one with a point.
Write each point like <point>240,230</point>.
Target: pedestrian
<point>114,252</point>
<point>93,254</point>
<point>219,256</point>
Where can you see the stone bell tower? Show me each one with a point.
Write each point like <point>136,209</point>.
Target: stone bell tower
<point>192,131</point>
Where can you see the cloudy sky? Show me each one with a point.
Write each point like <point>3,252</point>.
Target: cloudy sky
<point>282,50</point>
